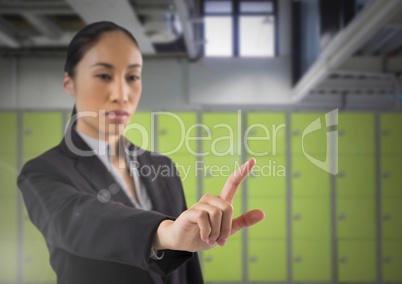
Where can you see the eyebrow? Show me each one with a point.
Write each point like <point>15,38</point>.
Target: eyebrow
<point>110,66</point>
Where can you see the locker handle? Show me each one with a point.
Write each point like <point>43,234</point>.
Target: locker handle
<point>341,174</point>
<point>296,132</point>
<point>28,259</point>
<point>388,259</point>
<point>297,174</point>
<point>298,259</point>
<point>253,259</point>
<point>297,216</point>
<point>344,259</point>
<point>209,258</point>
<point>341,132</point>
<point>386,132</point>
<point>387,217</point>
<point>342,216</point>
<point>208,175</point>
<point>386,175</point>
<point>252,132</point>
<point>163,132</point>
<point>28,132</point>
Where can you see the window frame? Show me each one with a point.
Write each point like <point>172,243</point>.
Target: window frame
<point>235,14</point>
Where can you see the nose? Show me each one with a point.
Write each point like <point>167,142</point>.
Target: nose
<point>120,91</point>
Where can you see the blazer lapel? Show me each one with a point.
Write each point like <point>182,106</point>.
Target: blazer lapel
<point>92,169</point>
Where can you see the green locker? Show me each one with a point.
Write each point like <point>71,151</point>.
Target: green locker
<point>356,133</point>
<point>356,218</point>
<point>224,263</point>
<point>315,142</point>
<point>8,239</point>
<point>274,224</point>
<point>8,196</point>
<point>357,261</point>
<point>221,133</point>
<point>8,261</point>
<point>41,131</point>
<point>187,167</point>
<point>356,176</point>
<point>391,218</point>
<point>391,178</point>
<point>140,130</point>
<point>267,260</point>
<point>308,180</point>
<point>311,260</point>
<point>36,263</point>
<point>268,178</point>
<point>391,133</point>
<point>265,134</point>
<point>311,218</point>
<point>392,261</point>
<point>8,175</point>
<point>174,129</point>
<point>8,128</point>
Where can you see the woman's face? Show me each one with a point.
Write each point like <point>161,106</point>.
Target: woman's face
<point>106,85</point>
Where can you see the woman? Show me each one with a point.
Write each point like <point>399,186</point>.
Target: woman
<point>102,221</point>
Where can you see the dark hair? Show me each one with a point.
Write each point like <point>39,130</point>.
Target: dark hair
<point>88,37</point>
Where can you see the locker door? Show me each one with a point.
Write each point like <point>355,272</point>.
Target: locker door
<point>267,261</point>
<point>315,142</point>
<point>391,218</point>
<point>391,178</point>
<point>308,180</point>
<point>356,176</point>
<point>265,133</point>
<point>311,260</point>
<point>311,218</point>
<point>356,133</point>
<point>8,239</point>
<point>221,133</point>
<point>173,130</point>
<point>224,263</point>
<point>41,131</point>
<point>187,167</point>
<point>356,218</point>
<point>392,261</point>
<point>268,178</point>
<point>391,133</point>
<point>357,261</point>
<point>8,197</point>
<point>274,224</point>
<point>140,131</point>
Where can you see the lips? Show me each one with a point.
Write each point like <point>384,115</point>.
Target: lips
<point>117,114</point>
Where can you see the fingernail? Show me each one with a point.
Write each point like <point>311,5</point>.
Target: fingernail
<point>222,242</point>
<point>211,243</point>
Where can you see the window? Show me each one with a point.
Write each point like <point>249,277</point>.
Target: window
<point>240,28</point>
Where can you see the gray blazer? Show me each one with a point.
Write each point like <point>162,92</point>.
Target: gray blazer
<point>90,241</point>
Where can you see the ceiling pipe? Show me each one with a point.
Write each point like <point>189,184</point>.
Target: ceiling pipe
<point>345,43</point>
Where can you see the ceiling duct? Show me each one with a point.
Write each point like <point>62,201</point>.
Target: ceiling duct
<point>162,28</point>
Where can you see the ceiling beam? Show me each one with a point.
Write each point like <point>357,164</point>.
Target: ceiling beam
<point>7,35</point>
<point>43,7</point>
<point>345,43</point>
<point>117,11</point>
<point>43,25</point>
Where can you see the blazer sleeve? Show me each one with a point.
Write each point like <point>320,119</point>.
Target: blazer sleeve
<point>77,222</point>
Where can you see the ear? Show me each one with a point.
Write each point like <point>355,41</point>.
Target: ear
<point>68,84</point>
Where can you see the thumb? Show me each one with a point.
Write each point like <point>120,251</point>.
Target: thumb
<point>246,220</point>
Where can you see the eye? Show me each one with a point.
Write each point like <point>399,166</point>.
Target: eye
<point>105,77</point>
<point>133,78</point>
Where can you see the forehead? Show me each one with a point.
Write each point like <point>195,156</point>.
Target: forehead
<point>115,48</point>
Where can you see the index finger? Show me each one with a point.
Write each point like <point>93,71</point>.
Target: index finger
<point>235,179</point>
